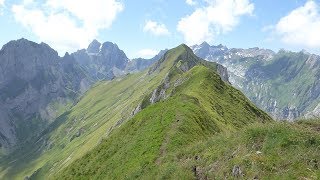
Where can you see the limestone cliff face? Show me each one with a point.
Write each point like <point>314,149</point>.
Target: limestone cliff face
<point>34,80</point>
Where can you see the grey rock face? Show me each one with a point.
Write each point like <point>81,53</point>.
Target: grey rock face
<point>136,110</point>
<point>160,92</point>
<point>94,47</point>
<point>223,72</point>
<point>236,171</point>
<point>102,61</point>
<point>32,79</point>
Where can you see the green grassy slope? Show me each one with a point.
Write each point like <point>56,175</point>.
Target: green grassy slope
<point>148,146</point>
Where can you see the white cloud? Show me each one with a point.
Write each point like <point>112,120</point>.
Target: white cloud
<point>301,26</point>
<point>147,53</point>
<point>155,28</point>
<point>1,6</point>
<point>67,25</point>
<point>219,16</point>
<point>191,2</point>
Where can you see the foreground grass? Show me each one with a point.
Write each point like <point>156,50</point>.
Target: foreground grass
<point>264,151</point>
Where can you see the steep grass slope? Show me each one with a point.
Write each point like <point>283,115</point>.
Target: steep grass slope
<point>192,104</point>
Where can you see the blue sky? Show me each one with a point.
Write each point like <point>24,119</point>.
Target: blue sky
<point>143,27</point>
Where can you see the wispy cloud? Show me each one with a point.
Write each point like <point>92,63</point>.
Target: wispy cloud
<point>147,53</point>
<point>155,28</point>
<point>1,6</point>
<point>191,2</point>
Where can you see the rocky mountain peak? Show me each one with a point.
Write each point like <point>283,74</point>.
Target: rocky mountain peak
<point>109,46</point>
<point>24,59</point>
<point>102,61</point>
<point>221,47</point>
<point>23,46</point>
<point>94,47</point>
<point>204,44</point>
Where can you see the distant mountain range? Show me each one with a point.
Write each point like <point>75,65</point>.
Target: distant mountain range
<point>285,84</point>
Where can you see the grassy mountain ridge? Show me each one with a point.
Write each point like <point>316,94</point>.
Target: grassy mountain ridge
<point>199,107</point>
